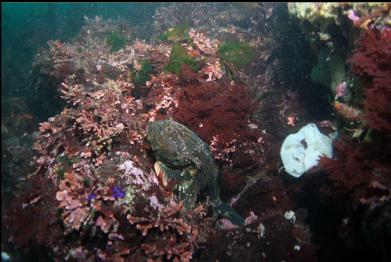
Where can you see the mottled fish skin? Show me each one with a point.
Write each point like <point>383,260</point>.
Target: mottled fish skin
<point>179,148</point>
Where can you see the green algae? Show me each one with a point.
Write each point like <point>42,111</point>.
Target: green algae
<point>115,41</point>
<point>64,160</point>
<point>237,53</point>
<point>143,75</point>
<point>176,35</point>
<point>60,174</point>
<point>86,182</point>
<point>179,57</point>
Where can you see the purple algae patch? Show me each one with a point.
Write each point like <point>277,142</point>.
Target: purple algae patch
<point>91,197</point>
<point>118,192</point>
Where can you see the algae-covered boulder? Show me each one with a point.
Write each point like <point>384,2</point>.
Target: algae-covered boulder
<point>334,23</point>
<point>315,12</point>
<point>237,53</point>
<point>328,13</point>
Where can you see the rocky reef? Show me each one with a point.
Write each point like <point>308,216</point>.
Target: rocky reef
<point>87,184</point>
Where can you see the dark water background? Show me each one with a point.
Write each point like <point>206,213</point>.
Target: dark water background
<point>26,27</point>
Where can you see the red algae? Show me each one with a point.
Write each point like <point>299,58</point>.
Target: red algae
<point>98,193</point>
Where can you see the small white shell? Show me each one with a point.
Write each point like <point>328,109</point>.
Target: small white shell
<point>290,215</point>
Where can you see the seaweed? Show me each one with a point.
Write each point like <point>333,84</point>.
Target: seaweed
<point>176,34</point>
<point>143,75</point>
<point>217,107</point>
<point>64,160</point>
<point>237,53</point>
<point>178,57</point>
<point>371,63</point>
<point>115,41</point>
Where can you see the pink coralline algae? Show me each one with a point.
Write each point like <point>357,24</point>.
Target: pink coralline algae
<point>161,96</point>
<point>206,45</point>
<point>251,218</point>
<point>75,206</point>
<point>182,233</point>
<point>213,70</point>
<point>225,224</point>
<point>135,176</point>
<point>291,121</point>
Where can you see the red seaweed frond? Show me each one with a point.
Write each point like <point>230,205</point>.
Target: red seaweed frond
<point>212,109</point>
<point>221,118</point>
<point>32,217</point>
<point>356,167</point>
<point>372,63</point>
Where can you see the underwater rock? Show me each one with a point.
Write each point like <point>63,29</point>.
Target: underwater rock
<point>271,239</point>
<point>325,14</point>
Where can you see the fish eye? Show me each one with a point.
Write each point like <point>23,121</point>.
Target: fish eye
<point>169,128</point>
